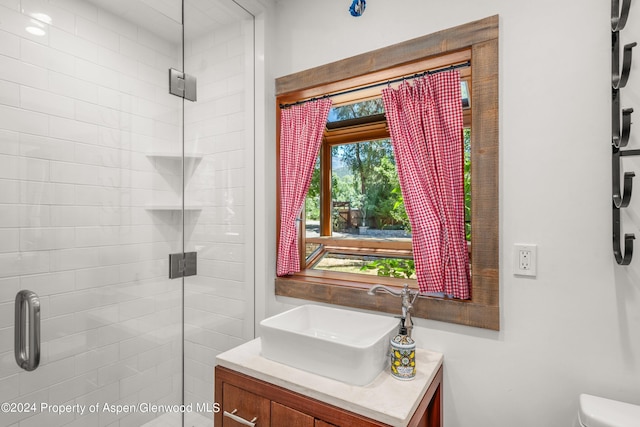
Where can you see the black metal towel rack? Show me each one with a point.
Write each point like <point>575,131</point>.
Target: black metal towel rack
<point>620,133</point>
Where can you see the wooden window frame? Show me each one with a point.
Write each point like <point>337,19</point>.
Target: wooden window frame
<point>479,40</point>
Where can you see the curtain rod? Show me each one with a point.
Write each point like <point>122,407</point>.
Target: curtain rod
<point>388,82</point>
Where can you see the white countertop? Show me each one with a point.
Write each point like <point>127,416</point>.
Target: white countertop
<point>385,399</point>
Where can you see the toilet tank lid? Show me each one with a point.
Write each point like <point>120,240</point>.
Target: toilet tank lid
<point>600,412</point>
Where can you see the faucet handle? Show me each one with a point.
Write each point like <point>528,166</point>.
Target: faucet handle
<point>410,293</point>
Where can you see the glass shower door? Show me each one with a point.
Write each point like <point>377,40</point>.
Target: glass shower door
<point>219,165</point>
<point>91,172</point>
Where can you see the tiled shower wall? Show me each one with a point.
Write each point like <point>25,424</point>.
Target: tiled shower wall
<point>82,107</point>
<point>219,126</point>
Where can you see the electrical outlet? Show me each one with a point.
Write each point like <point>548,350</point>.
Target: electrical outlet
<point>525,257</point>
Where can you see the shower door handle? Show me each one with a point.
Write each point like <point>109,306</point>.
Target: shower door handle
<point>27,330</point>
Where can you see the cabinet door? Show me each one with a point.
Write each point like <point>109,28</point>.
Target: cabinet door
<point>245,405</point>
<point>284,416</point>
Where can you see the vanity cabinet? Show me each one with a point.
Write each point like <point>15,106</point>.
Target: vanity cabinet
<point>266,404</point>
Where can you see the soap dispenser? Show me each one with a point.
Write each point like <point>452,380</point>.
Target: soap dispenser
<point>403,355</point>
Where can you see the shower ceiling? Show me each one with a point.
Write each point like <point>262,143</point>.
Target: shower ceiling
<point>161,16</point>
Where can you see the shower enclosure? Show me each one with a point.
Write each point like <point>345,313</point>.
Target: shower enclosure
<point>103,175</point>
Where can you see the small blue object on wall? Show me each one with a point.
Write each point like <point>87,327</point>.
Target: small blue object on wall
<point>357,7</point>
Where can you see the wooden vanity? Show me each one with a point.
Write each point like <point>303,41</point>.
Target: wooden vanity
<point>256,391</point>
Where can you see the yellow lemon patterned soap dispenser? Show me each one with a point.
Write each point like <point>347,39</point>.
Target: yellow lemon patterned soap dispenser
<point>403,355</point>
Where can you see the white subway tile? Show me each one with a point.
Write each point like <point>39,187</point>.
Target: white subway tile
<point>49,374</point>
<point>73,130</point>
<point>39,396</point>
<point>71,345</point>
<point>119,370</point>
<point>50,283</point>
<point>76,46</point>
<point>137,345</point>
<point>57,327</point>
<point>113,215</point>
<point>40,239</point>
<point>96,114</point>
<point>96,358</point>
<point>19,120</point>
<point>74,387</point>
<point>16,23</point>
<point>94,73</point>
<point>9,141</point>
<point>73,259</point>
<point>74,173</point>
<point>152,74</point>
<point>34,215</point>
<point>46,57</point>
<point>136,308</point>
<point>7,318</point>
<point>11,4</point>
<point>115,61</point>
<point>143,270</point>
<point>237,122</point>
<point>88,30</point>
<point>74,216</point>
<point>163,388</point>
<point>131,385</point>
<point>20,72</point>
<point>9,388</point>
<point>133,49</point>
<point>9,94</point>
<point>33,169</point>
<point>139,88</point>
<point>87,195</point>
<point>6,339</point>
<point>73,87</point>
<point>46,102</point>
<point>97,277</point>
<point>79,7</point>
<point>8,290</point>
<point>96,236</point>
<point>96,317</point>
<point>115,99</point>
<point>23,168</point>
<point>116,24</point>
<point>46,148</point>
<point>8,240</point>
<point>70,302</point>
<point>57,17</point>
<point>10,215</point>
<point>170,47</point>
<point>38,193</point>
<point>16,264</point>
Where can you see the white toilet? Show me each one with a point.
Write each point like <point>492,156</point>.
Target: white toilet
<point>600,412</point>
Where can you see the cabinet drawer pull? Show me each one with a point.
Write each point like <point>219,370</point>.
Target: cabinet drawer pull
<point>240,420</point>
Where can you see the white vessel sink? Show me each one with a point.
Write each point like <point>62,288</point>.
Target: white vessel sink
<point>345,345</point>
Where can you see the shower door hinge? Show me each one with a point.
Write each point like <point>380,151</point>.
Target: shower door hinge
<point>183,264</point>
<point>182,84</point>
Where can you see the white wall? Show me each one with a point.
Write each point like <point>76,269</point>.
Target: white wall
<point>575,327</point>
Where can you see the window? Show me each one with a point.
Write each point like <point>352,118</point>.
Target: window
<point>476,41</point>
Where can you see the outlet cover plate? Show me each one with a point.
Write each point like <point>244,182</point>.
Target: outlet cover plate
<point>525,257</point>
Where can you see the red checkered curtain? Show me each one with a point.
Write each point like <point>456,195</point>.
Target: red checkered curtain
<point>301,130</point>
<point>425,122</point>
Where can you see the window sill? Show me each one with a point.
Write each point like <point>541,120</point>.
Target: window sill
<point>332,289</point>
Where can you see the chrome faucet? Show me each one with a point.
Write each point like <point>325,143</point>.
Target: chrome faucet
<point>408,298</point>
